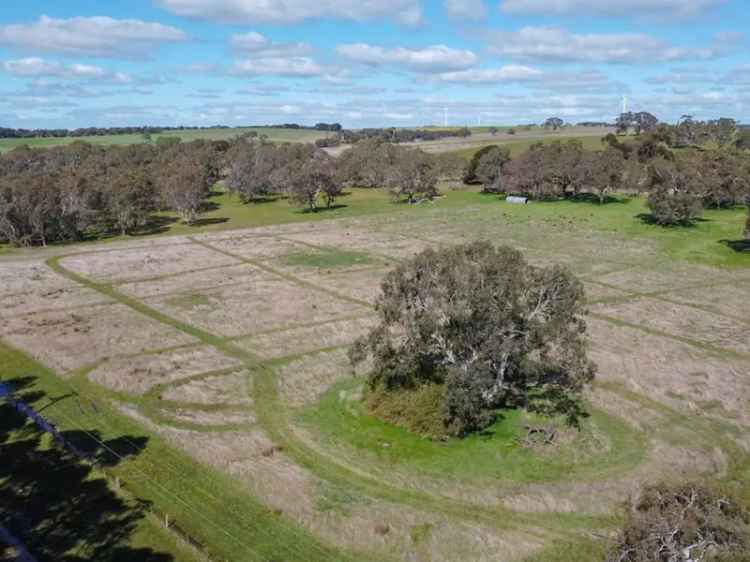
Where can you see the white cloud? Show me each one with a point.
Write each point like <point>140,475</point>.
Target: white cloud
<point>555,44</point>
<point>278,66</point>
<point>465,9</point>
<point>509,73</point>
<point>590,82</point>
<point>395,116</point>
<point>405,12</point>
<point>437,58</point>
<point>682,76</point>
<point>257,44</point>
<point>90,36</point>
<point>739,76</point>
<point>37,67</point>
<point>633,8</point>
<point>31,66</point>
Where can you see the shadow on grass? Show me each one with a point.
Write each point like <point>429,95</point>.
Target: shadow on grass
<point>53,503</point>
<point>648,218</point>
<point>208,221</point>
<point>155,225</point>
<point>593,199</point>
<point>317,210</point>
<point>208,206</point>
<point>739,246</point>
<point>555,401</point>
<point>261,200</point>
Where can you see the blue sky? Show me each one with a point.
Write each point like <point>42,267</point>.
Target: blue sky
<point>369,62</point>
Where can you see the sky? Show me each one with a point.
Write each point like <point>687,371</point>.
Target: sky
<point>407,63</point>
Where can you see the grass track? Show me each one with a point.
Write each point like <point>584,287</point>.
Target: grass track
<point>496,456</point>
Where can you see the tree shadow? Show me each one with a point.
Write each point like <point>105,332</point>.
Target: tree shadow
<point>208,206</point>
<point>739,246</point>
<point>318,210</point>
<point>553,400</point>
<point>208,221</point>
<point>55,504</point>
<point>156,224</point>
<point>649,219</point>
<point>261,200</point>
<point>593,199</point>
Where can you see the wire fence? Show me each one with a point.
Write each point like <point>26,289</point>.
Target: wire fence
<point>119,485</point>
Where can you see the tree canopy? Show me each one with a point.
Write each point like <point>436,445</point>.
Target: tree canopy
<point>482,325</point>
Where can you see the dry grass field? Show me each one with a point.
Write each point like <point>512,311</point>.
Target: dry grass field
<point>228,350</point>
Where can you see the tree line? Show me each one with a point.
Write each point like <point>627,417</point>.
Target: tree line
<point>679,184</point>
<point>80,191</point>
<point>258,169</point>
<point>7,133</point>
<point>392,134</point>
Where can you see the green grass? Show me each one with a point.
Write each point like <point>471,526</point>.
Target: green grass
<point>188,302</point>
<point>69,495</point>
<point>209,505</point>
<point>518,147</point>
<point>706,242</point>
<point>327,259</point>
<point>274,134</point>
<point>604,445</point>
<point>583,550</point>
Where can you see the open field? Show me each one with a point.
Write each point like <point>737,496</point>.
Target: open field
<point>224,353</point>
<point>273,134</point>
<point>518,142</point>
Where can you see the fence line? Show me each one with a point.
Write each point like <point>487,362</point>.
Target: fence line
<point>6,391</point>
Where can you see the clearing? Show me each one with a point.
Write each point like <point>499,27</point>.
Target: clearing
<point>223,352</point>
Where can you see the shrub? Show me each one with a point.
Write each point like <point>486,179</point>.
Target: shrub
<point>675,197</point>
<point>670,208</point>
<point>419,409</point>
<point>683,522</point>
<point>470,174</point>
<point>490,168</point>
<point>412,175</point>
<point>485,325</point>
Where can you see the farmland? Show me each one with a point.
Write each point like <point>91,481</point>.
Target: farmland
<point>273,134</point>
<point>222,347</point>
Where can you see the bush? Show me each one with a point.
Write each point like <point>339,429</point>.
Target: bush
<point>485,325</point>
<point>675,196</point>
<point>683,522</point>
<point>419,410</point>
<point>674,208</point>
<point>470,175</point>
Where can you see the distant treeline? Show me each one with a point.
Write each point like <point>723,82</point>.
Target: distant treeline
<point>392,134</point>
<point>594,124</point>
<point>334,127</point>
<point>8,133</point>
